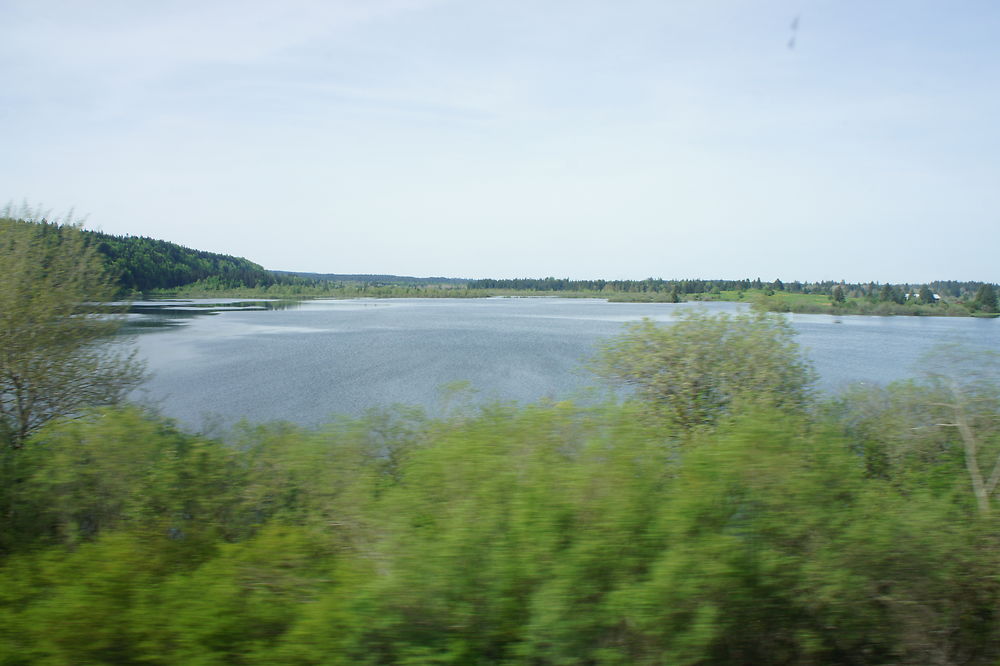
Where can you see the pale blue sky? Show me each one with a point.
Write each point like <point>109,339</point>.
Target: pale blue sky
<point>484,138</point>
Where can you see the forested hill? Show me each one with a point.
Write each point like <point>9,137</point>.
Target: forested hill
<point>144,264</point>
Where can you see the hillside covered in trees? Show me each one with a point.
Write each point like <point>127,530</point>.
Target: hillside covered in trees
<point>144,264</point>
<point>141,264</point>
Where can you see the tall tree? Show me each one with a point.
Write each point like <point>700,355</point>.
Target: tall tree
<point>694,369</point>
<point>57,353</point>
<point>890,294</point>
<point>986,299</point>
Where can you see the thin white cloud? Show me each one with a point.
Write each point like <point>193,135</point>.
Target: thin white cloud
<point>495,137</point>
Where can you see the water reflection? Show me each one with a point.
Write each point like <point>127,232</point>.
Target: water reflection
<point>149,315</point>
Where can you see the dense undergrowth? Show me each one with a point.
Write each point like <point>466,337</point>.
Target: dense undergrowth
<point>543,534</point>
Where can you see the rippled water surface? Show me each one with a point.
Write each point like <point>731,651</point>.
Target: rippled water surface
<point>227,360</point>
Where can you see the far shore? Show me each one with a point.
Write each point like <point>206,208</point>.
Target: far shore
<point>759,299</point>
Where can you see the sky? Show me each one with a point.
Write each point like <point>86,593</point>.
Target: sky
<point>794,139</point>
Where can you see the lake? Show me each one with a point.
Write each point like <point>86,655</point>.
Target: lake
<point>223,360</point>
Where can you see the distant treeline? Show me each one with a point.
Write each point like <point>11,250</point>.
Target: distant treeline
<point>944,288</point>
<point>378,280</point>
<point>143,264</point>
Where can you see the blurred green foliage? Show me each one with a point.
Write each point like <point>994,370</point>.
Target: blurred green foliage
<point>695,368</point>
<point>778,529</point>
<point>547,534</point>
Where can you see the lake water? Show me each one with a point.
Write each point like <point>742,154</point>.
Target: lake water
<point>316,359</point>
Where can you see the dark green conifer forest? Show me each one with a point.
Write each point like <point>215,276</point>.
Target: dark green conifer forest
<point>144,264</point>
